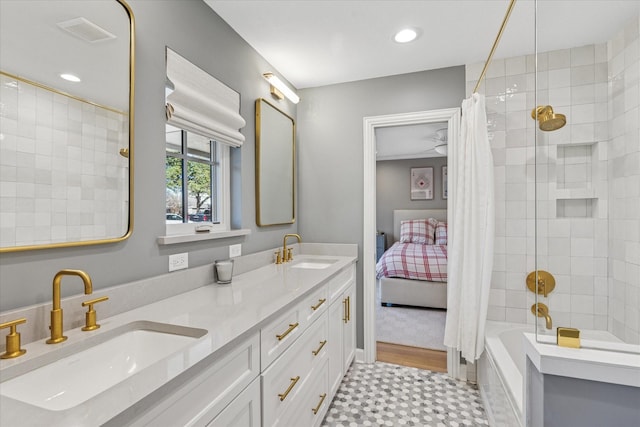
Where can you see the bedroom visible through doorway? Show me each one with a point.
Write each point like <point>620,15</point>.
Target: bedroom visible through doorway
<point>413,318</point>
<point>371,124</point>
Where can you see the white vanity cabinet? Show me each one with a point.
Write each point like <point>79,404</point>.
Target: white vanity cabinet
<point>218,390</point>
<point>290,379</point>
<point>342,326</point>
<point>285,372</point>
<point>243,411</point>
<point>297,385</point>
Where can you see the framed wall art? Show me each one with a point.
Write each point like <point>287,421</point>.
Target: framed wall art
<point>421,183</point>
<point>445,190</point>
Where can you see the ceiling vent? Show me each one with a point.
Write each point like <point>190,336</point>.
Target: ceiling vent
<point>86,30</point>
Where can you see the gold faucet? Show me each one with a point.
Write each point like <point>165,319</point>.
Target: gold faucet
<point>56,312</point>
<point>288,256</point>
<point>541,310</point>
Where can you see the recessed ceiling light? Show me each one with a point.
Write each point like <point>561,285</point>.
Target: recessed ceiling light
<point>70,77</point>
<point>405,36</point>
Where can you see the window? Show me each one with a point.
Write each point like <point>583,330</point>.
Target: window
<point>197,184</point>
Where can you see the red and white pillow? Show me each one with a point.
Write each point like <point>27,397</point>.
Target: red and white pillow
<point>420,231</point>
<point>441,233</point>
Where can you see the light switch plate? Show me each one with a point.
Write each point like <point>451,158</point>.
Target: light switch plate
<point>235,250</point>
<point>178,261</point>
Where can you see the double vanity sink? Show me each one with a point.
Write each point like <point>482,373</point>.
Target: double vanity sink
<point>93,376</point>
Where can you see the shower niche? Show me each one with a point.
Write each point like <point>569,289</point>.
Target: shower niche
<point>580,180</point>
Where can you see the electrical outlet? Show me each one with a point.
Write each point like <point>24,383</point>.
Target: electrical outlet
<point>235,250</point>
<point>178,261</point>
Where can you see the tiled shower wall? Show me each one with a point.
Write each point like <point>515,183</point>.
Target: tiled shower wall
<point>589,243</point>
<point>624,183</point>
<point>62,175</point>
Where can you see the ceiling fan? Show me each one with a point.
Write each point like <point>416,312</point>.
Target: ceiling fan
<point>440,139</point>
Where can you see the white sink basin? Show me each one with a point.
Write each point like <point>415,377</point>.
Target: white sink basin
<point>314,264</point>
<point>96,365</point>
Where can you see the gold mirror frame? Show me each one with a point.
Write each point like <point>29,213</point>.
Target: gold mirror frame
<point>275,159</point>
<point>124,152</point>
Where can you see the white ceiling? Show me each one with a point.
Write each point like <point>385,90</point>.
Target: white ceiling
<point>320,42</point>
<point>410,141</point>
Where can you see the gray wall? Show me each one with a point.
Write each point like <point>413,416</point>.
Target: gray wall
<point>392,190</point>
<point>330,151</point>
<point>194,31</point>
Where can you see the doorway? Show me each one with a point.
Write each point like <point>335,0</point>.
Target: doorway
<point>452,118</point>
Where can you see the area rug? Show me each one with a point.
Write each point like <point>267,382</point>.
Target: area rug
<point>416,327</point>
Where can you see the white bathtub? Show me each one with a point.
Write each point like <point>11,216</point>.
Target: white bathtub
<point>501,372</point>
<point>501,369</point>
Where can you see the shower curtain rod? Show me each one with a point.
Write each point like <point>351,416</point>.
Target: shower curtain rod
<point>495,44</point>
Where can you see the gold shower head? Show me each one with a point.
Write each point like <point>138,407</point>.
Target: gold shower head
<point>547,119</point>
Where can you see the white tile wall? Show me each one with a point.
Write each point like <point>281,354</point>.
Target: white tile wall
<point>61,168</point>
<point>587,174</point>
<point>623,159</point>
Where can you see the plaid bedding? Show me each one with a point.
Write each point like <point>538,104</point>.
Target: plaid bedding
<point>414,261</point>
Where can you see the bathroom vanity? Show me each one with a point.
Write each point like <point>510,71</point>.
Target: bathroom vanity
<point>270,348</point>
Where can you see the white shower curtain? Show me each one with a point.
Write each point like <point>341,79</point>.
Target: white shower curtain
<point>471,203</point>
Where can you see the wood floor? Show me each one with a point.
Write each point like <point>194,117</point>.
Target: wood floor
<point>433,360</point>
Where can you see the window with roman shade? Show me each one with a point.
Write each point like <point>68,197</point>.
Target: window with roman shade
<point>198,102</point>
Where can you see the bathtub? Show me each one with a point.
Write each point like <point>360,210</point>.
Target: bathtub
<point>501,372</point>
<point>501,369</point>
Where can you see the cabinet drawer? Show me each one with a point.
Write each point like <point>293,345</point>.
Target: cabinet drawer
<point>337,284</point>
<point>201,399</point>
<point>310,408</point>
<point>244,411</point>
<point>278,335</point>
<point>284,380</point>
<point>314,305</point>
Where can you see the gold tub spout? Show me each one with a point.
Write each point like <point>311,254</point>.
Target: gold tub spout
<point>287,256</point>
<point>542,311</point>
<point>56,311</point>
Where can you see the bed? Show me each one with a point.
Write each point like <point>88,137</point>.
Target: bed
<point>417,290</point>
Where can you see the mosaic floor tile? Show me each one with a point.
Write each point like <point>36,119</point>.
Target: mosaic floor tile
<point>382,394</point>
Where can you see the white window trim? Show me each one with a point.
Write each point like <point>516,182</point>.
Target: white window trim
<point>178,233</point>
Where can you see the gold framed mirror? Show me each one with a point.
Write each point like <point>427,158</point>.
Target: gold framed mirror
<point>275,165</point>
<point>66,76</point>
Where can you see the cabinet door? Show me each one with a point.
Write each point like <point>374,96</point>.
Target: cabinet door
<point>243,411</point>
<point>349,328</point>
<point>336,311</point>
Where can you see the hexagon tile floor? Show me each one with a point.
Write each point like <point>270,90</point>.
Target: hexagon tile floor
<point>382,394</point>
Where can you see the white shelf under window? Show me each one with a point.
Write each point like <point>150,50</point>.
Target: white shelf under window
<point>197,237</point>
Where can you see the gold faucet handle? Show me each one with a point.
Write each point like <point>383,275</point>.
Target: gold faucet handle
<point>289,254</point>
<point>278,257</point>
<point>90,315</point>
<point>13,339</point>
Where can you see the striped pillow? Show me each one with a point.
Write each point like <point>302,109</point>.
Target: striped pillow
<point>421,231</point>
<point>441,233</point>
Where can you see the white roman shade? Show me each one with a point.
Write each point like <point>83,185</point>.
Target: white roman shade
<point>202,104</point>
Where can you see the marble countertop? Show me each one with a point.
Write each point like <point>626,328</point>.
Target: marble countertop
<point>227,312</point>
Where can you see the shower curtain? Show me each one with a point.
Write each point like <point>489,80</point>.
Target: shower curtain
<point>471,203</point>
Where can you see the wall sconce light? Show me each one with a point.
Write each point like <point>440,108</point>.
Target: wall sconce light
<point>279,89</point>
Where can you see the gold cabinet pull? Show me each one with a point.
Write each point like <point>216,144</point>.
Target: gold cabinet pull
<point>284,395</point>
<point>292,326</point>
<point>317,408</point>
<point>317,306</point>
<point>344,309</point>
<point>322,343</point>
<point>348,308</point>
<point>13,339</point>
